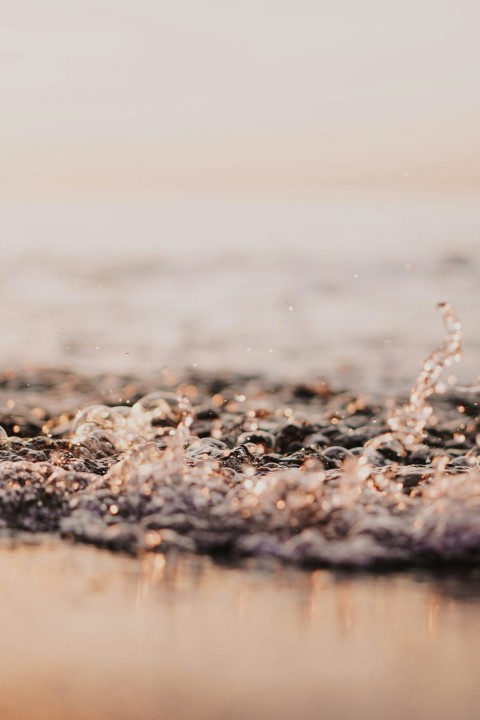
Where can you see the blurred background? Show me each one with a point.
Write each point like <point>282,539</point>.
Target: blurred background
<point>285,187</point>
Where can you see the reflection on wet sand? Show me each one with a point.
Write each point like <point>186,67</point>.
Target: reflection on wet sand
<point>89,634</point>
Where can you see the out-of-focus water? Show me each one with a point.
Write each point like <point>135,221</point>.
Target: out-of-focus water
<point>87,634</point>
<point>345,288</point>
<point>292,287</point>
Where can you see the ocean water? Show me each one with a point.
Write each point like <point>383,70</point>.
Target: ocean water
<point>333,303</point>
<point>344,287</point>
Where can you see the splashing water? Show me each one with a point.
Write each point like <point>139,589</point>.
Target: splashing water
<point>242,466</point>
<point>407,423</point>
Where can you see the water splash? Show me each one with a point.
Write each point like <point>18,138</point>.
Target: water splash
<point>243,466</point>
<point>407,423</point>
<point>161,416</point>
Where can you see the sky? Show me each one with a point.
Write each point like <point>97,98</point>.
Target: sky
<point>144,97</point>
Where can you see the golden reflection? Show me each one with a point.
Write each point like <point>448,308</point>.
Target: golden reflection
<point>309,604</point>
<point>345,606</point>
<point>241,603</point>
<point>151,572</point>
<point>259,630</point>
<point>433,610</point>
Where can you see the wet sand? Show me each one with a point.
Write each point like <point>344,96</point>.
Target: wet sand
<point>90,634</point>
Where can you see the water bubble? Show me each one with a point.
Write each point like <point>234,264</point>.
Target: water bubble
<point>117,424</point>
<point>202,448</point>
<point>165,410</point>
<point>99,415</point>
<point>97,439</point>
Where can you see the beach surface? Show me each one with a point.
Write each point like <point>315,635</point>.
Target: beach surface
<point>90,634</point>
<point>344,290</point>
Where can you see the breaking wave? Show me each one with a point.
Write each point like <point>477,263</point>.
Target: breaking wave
<point>239,465</point>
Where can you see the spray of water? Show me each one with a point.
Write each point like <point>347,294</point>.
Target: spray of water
<point>407,423</point>
<point>231,468</point>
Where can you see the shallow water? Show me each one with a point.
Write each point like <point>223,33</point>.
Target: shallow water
<point>89,634</point>
<point>245,466</point>
<point>338,289</point>
<point>344,286</point>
